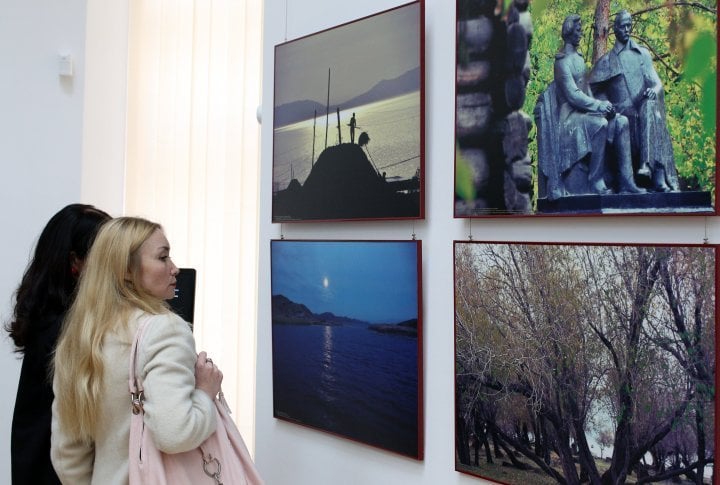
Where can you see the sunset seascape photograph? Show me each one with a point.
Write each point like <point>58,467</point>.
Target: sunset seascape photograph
<point>348,121</point>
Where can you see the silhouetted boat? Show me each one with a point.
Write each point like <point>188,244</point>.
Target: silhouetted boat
<point>343,184</point>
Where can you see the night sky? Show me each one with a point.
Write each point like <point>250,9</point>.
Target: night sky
<point>372,281</point>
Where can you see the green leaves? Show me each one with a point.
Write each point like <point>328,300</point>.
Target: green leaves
<point>700,67</point>
<point>538,6</point>
<point>702,51</point>
<point>464,186</point>
<point>709,103</point>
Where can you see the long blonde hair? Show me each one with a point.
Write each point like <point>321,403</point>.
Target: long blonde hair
<point>107,293</point>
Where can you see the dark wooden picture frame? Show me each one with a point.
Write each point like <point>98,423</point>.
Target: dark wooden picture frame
<point>183,302</point>
<point>516,154</point>
<point>349,122</point>
<point>347,340</point>
<point>585,361</point>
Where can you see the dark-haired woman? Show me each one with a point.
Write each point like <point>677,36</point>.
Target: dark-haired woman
<point>44,295</point>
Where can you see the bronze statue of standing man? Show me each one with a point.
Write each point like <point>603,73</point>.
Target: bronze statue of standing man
<point>626,77</point>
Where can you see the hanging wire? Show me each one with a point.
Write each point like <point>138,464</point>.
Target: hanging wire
<point>470,236</point>
<point>413,230</point>
<point>282,234</point>
<point>286,17</point>
<point>705,239</point>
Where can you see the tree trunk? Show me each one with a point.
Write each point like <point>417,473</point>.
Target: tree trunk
<point>475,440</point>
<point>463,449</point>
<point>646,270</point>
<point>525,451</point>
<point>545,442</point>
<point>601,29</point>
<point>587,462</point>
<point>488,454</point>
<point>700,429</point>
<point>620,464</point>
<point>525,435</point>
<point>496,448</point>
<point>481,439</point>
<point>566,458</point>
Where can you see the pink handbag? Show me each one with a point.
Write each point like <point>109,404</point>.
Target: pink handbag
<point>221,459</point>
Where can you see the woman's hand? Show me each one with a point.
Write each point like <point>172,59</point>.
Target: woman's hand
<point>207,375</point>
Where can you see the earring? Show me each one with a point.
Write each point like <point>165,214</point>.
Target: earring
<point>74,271</point>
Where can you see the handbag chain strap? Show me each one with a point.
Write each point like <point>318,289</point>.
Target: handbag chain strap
<point>210,463</point>
<point>137,399</point>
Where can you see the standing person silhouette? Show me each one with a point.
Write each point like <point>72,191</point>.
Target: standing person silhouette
<point>44,295</point>
<point>352,125</point>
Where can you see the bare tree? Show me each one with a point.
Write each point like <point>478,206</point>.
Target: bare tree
<point>528,344</point>
<point>605,440</point>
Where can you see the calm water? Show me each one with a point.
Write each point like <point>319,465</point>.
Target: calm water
<point>350,381</point>
<point>393,126</point>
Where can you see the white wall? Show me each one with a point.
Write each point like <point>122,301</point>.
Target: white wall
<point>290,454</point>
<point>40,139</point>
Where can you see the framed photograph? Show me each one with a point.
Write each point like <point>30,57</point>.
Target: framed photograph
<point>585,107</point>
<point>585,362</point>
<point>347,340</point>
<point>348,124</point>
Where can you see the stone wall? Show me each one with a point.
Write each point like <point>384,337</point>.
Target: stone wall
<point>491,130</point>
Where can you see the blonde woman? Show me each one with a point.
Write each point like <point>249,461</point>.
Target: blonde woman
<point>128,275</point>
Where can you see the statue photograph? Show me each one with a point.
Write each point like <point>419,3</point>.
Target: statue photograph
<point>617,108</point>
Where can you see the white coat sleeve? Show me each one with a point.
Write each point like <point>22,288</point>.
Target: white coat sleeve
<point>179,416</point>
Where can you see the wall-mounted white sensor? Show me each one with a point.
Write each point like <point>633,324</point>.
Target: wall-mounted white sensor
<point>65,65</point>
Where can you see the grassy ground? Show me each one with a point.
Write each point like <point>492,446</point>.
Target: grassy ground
<point>513,476</point>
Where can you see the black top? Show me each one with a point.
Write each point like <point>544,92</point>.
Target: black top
<point>30,436</point>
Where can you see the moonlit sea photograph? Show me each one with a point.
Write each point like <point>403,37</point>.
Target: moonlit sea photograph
<point>347,340</point>
<point>348,121</point>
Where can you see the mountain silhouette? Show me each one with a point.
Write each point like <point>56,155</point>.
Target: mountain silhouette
<point>301,110</point>
<point>286,311</point>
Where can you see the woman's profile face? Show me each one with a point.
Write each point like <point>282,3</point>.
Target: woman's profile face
<point>157,271</point>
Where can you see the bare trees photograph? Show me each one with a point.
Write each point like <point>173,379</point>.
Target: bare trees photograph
<point>578,363</point>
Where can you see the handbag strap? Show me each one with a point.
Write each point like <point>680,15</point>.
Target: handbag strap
<point>134,381</point>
